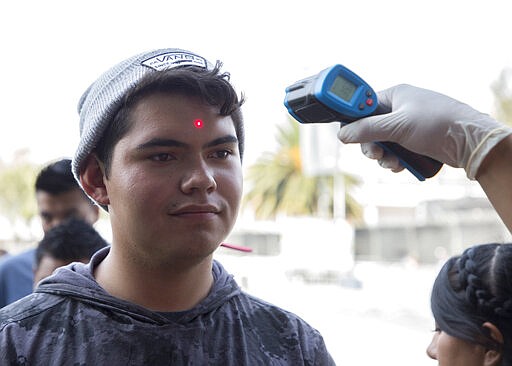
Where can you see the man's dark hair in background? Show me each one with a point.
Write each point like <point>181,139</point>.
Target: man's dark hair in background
<point>72,241</point>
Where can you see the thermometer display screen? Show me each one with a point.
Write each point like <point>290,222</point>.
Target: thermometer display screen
<point>343,88</point>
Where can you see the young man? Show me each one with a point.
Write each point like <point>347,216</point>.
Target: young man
<point>72,241</point>
<point>161,149</point>
<point>59,197</point>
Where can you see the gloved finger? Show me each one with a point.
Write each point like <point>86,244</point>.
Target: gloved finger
<point>372,150</point>
<point>390,161</point>
<point>381,127</point>
<point>385,97</point>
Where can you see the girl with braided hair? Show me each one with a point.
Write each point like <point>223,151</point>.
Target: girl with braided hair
<point>472,306</point>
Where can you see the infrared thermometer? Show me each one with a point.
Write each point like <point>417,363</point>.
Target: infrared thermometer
<point>337,94</point>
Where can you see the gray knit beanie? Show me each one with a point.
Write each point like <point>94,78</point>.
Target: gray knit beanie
<point>101,101</point>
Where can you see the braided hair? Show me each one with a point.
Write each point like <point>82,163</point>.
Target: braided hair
<point>474,288</point>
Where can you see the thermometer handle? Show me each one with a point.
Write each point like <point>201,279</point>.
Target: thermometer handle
<point>420,166</point>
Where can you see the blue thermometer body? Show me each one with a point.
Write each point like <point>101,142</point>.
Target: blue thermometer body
<point>337,94</point>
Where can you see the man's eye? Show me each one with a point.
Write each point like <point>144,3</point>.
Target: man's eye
<point>222,154</point>
<point>46,218</point>
<point>162,157</point>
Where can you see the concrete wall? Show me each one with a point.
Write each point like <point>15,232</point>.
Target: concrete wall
<point>428,243</point>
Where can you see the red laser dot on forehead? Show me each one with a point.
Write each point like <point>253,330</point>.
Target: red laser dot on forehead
<point>198,123</point>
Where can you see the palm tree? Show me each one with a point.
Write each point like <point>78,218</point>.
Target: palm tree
<point>502,90</point>
<point>17,181</point>
<point>277,183</point>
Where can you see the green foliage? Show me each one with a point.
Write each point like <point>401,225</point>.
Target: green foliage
<point>502,89</point>
<point>17,198</point>
<point>277,183</point>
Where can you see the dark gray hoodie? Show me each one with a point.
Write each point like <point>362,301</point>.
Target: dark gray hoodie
<point>71,320</point>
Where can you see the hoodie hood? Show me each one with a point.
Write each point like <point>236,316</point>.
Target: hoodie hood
<point>76,281</point>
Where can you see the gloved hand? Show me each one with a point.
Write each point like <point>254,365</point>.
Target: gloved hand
<point>428,123</point>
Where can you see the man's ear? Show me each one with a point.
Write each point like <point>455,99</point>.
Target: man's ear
<point>92,177</point>
<point>492,356</point>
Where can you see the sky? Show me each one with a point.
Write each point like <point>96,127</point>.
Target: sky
<point>53,50</point>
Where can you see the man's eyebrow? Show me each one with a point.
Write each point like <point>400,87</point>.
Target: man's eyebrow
<point>72,211</point>
<point>222,140</point>
<point>157,142</point>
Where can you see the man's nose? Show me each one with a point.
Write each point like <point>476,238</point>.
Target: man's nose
<point>432,349</point>
<point>57,221</point>
<point>199,177</point>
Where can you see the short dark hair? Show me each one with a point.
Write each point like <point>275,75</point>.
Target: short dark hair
<point>56,178</point>
<point>474,288</point>
<point>211,86</point>
<point>73,240</point>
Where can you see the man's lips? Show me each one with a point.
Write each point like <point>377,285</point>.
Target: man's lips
<point>195,210</point>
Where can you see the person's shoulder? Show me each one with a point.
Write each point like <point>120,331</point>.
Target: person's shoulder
<point>279,326</point>
<point>17,259</point>
<point>259,308</point>
<point>28,307</point>
<point>258,303</point>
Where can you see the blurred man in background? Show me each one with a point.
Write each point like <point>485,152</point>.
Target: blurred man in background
<point>59,197</point>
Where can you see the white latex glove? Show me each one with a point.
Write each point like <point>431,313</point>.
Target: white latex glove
<point>428,123</point>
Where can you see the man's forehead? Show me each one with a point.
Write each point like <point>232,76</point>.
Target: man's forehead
<point>153,118</point>
<point>68,198</point>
